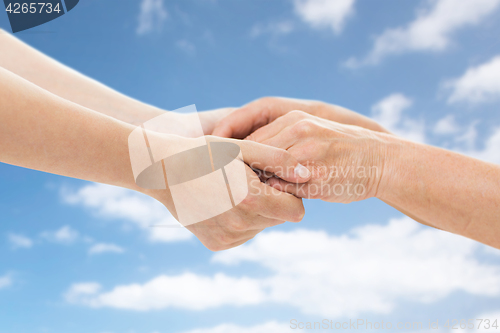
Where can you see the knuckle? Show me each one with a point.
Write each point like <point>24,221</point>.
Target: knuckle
<point>297,114</point>
<point>249,201</point>
<point>301,214</point>
<point>298,214</point>
<point>266,99</point>
<point>239,225</point>
<point>264,103</point>
<point>303,128</point>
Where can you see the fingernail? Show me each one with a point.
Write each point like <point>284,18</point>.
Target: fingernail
<point>301,171</point>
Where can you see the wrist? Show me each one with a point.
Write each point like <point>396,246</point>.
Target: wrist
<point>147,153</point>
<point>396,175</point>
<point>147,171</point>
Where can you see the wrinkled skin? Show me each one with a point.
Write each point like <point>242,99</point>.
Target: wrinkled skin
<point>346,161</point>
<point>239,123</point>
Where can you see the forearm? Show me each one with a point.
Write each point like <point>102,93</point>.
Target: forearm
<point>44,132</point>
<point>443,189</point>
<point>62,81</point>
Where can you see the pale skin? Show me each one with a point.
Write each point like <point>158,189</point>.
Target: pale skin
<point>49,74</point>
<point>45,132</point>
<point>65,123</point>
<point>420,181</point>
<point>434,186</point>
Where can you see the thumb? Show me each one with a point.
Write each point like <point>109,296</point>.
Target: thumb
<point>236,125</point>
<point>274,160</point>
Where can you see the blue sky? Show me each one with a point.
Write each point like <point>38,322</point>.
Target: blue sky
<point>78,257</point>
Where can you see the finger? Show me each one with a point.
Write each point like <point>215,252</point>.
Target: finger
<point>275,127</point>
<point>262,222</point>
<point>242,122</point>
<point>298,190</point>
<point>219,234</point>
<point>242,241</point>
<point>274,160</point>
<point>210,118</point>
<point>275,204</point>
<point>263,175</point>
<point>283,140</point>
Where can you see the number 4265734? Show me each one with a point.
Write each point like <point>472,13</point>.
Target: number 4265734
<point>32,8</point>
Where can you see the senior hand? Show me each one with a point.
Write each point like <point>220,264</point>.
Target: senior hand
<point>346,161</point>
<point>243,121</point>
<point>350,163</point>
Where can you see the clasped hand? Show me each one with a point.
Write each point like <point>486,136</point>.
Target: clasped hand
<point>342,163</point>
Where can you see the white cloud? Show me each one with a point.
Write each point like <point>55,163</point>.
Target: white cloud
<point>491,150</point>
<point>19,241</point>
<point>186,291</point>
<point>389,112</point>
<point>269,327</point>
<point>478,84</point>
<point>446,125</point>
<point>431,30</point>
<point>151,17</point>
<point>79,290</point>
<point>186,46</point>
<point>368,270</point>
<point>492,250</point>
<point>325,13</point>
<point>105,248</point>
<point>119,203</point>
<point>319,14</point>
<point>466,142</point>
<point>5,281</point>
<point>65,235</point>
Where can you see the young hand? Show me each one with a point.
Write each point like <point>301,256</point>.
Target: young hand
<point>260,206</point>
